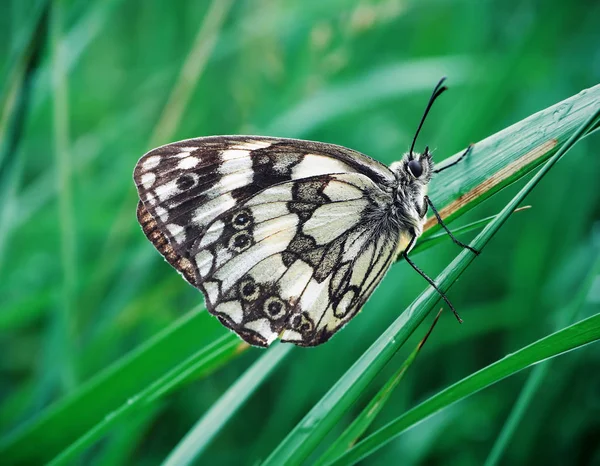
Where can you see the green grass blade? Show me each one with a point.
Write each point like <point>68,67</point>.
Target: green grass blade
<point>191,71</point>
<point>63,423</point>
<point>200,436</point>
<point>196,363</point>
<point>14,107</point>
<point>538,374</point>
<point>77,40</point>
<point>302,440</point>
<point>567,339</point>
<point>123,441</point>
<point>501,159</point>
<point>533,383</point>
<point>366,417</point>
<point>16,74</point>
<point>365,90</point>
<point>65,317</point>
<point>442,236</point>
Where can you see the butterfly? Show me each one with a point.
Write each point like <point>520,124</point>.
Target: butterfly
<point>285,238</point>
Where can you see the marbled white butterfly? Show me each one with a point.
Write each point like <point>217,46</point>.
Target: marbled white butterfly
<point>285,238</point>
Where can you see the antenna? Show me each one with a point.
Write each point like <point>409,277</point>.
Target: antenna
<point>439,89</point>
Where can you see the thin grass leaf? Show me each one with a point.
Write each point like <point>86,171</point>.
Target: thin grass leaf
<point>538,374</point>
<point>123,441</point>
<point>64,422</point>
<point>310,431</point>
<point>198,362</point>
<point>501,159</point>
<point>366,417</point>
<point>366,90</point>
<point>570,338</point>
<point>76,41</point>
<point>65,323</point>
<point>191,71</point>
<point>200,436</point>
<point>532,384</point>
<point>15,105</point>
<point>17,72</point>
<point>442,236</point>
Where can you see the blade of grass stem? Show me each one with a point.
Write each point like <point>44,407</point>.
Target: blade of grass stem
<point>16,100</point>
<point>538,374</point>
<point>200,436</point>
<point>152,392</point>
<point>567,339</point>
<point>442,236</point>
<point>64,422</point>
<point>66,307</point>
<point>366,417</point>
<point>191,71</point>
<point>18,72</point>
<point>76,40</point>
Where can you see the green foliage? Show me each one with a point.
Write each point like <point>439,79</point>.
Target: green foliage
<point>105,353</point>
<point>364,420</point>
<point>569,338</point>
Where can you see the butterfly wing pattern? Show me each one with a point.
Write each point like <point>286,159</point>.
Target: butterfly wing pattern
<point>285,238</point>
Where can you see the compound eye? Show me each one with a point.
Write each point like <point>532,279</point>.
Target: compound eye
<point>415,168</point>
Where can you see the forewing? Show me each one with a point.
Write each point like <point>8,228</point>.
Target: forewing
<point>184,186</point>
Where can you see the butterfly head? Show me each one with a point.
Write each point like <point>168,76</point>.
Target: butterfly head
<point>413,174</point>
<point>414,169</point>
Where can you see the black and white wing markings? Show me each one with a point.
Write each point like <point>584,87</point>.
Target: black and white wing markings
<point>152,231</point>
<point>299,262</point>
<point>360,271</point>
<point>217,205</point>
<point>185,185</point>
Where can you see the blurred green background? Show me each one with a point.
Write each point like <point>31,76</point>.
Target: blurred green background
<point>80,286</point>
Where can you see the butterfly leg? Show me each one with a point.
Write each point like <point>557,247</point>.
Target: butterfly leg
<point>462,156</point>
<point>443,225</point>
<point>427,278</point>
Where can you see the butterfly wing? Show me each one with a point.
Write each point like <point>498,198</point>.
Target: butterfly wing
<point>297,260</point>
<point>277,233</point>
